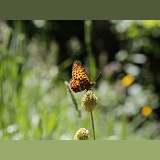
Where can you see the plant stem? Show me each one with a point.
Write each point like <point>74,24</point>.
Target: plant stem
<point>73,98</point>
<point>88,28</point>
<point>94,136</point>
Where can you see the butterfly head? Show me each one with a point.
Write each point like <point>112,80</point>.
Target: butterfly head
<point>92,83</point>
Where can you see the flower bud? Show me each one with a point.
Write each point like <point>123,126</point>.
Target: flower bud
<point>82,134</point>
<point>89,101</point>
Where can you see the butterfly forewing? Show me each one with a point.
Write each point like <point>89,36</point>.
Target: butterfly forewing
<point>78,72</point>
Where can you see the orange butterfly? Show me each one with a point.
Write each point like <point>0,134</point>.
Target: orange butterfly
<point>80,80</point>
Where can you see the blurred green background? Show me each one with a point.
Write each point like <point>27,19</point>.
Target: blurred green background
<point>36,59</point>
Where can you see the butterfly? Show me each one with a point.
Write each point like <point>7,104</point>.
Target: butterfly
<point>80,80</point>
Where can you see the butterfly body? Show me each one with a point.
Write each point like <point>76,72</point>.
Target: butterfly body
<point>80,80</point>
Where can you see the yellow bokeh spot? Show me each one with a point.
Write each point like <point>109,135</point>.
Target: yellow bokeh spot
<point>146,110</point>
<point>127,80</point>
<point>152,23</point>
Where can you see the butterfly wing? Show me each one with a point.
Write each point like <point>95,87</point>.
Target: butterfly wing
<point>80,80</point>
<point>75,85</point>
<point>78,72</point>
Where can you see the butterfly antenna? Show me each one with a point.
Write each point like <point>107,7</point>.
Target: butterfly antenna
<point>98,77</point>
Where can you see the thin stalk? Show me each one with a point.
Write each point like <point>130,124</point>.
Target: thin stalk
<point>92,120</point>
<point>73,98</point>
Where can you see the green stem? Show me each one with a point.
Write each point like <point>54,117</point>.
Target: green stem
<point>73,98</point>
<point>88,42</point>
<point>94,136</point>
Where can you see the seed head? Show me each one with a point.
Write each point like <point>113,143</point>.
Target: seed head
<point>89,101</point>
<point>82,134</point>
